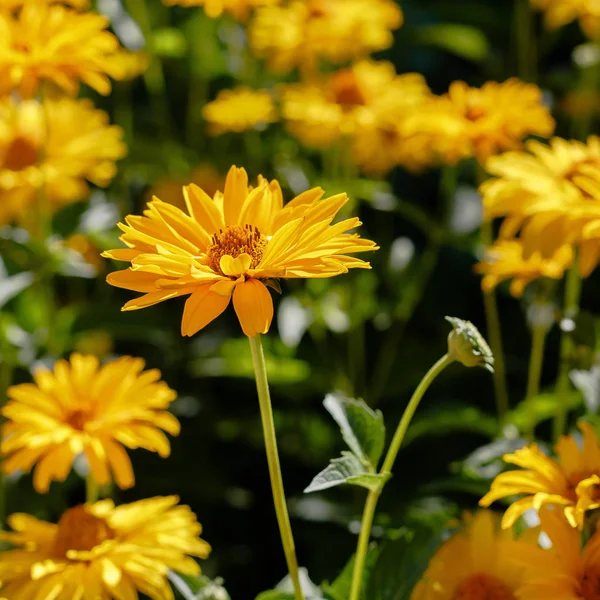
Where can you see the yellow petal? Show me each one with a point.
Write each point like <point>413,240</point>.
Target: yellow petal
<point>234,267</point>
<point>202,307</point>
<point>236,190</point>
<point>253,306</point>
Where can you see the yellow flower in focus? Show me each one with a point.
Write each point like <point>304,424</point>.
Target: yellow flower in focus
<point>54,44</point>
<point>558,13</point>
<point>83,407</point>
<point>481,122</point>
<point>301,32</point>
<point>565,571</point>
<point>239,109</point>
<point>101,552</point>
<point>59,146</point>
<point>239,9</point>
<point>572,483</point>
<point>474,564</point>
<point>231,247</point>
<point>506,260</point>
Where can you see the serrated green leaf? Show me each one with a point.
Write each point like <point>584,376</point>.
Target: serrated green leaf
<point>362,428</point>
<point>346,469</point>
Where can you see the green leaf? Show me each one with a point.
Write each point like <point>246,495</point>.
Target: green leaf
<point>545,409</point>
<point>462,40</point>
<point>362,428</point>
<point>340,588</point>
<point>346,469</point>
<point>14,285</point>
<point>285,589</point>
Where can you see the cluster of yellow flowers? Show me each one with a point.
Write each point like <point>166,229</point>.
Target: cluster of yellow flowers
<point>558,13</point>
<point>486,561</point>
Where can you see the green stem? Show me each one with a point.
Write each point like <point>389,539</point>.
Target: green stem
<point>567,349</point>
<point>388,463</point>
<point>266,413</point>
<point>536,360</point>
<point>526,41</point>
<point>91,489</point>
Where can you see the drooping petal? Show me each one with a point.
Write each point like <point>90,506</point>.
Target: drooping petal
<point>254,307</point>
<point>202,307</point>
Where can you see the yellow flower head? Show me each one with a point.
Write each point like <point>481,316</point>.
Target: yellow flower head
<point>484,121</point>
<point>572,483</point>
<point>474,564</point>
<point>565,571</point>
<point>83,245</point>
<point>239,109</point>
<point>551,193</point>
<point>15,4</point>
<point>302,32</point>
<point>101,551</point>
<point>59,146</point>
<point>506,260</point>
<point>230,246</point>
<point>52,43</point>
<point>558,13</point>
<point>239,9</point>
<point>82,407</point>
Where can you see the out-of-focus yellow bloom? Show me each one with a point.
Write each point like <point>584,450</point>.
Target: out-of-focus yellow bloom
<point>474,564</point>
<point>83,407</point>
<point>571,484</point>
<point>558,13</point>
<point>101,551</point>
<point>54,44</point>
<point>231,247</point>
<point>59,146</point>
<point>240,9</point>
<point>551,193</point>
<point>368,105</point>
<point>15,4</point>
<point>506,260</point>
<point>302,32</point>
<point>133,64</point>
<point>481,122</point>
<point>239,109</point>
<point>88,250</point>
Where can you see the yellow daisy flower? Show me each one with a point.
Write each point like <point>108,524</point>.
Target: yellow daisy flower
<point>484,121</point>
<point>15,4</point>
<point>55,44</point>
<point>59,146</point>
<point>571,483</point>
<point>239,109</point>
<point>474,564</point>
<point>82,407</point>
<point>239,9</point>
<point>301,32</point>
<point>558,13</point>
<point>232,246</point>
<point>506,260</point>
<point>101,552</point>
<point>563,572</point>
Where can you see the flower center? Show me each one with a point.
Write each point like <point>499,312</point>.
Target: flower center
<point>78,529</point>
<point>474,111</point>
<point>482,587</point>
<point>78,419</point>
<point>590,584</point>
<point>20,154</point>
<point>346,90</point>
<point>234,241</point>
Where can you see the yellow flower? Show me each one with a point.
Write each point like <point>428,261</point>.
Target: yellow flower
<point>484,121</point>
<point>101,552</point>
<point>58,146</point>
<point>82,407</point>
<point>506,260</point>
<point>549,192</point>
<point>563,572</point>
<point>302,32</point>
<point>474,564</point>
<point>88,250</point>
<point>15,4</point>
<point>51,43</point>
<point>233,246</point>
<point>562,12</point>
<point>571,483</point>
<point>239,109</point>
<point>239,9</point>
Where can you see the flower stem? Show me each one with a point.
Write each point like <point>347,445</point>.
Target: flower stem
<point>567,348</point>
<point>91,489</point>
<point>526,41</point>
<point>536,359</point>
<point>266,413</point>
<point>388,463</point>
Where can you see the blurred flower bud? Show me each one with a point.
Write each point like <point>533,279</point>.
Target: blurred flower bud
<point>467,346</point>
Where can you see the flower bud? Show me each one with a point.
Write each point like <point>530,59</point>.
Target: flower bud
<point>467,346</point>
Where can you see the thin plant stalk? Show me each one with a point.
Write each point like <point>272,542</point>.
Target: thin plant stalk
<point>536,360</point>
<point>91,489</point>
<point>268,425</point>
<point>526,41</point>
<point>388,463</point>
<point>567,348</point>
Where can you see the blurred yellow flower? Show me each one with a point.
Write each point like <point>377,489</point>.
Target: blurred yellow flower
<point>133,64</point>
<point>101,552</point>
<point>572,483</point>
<point>481,122</point>
<point>88,250</point>
<point>59,146</point>
<point>238,110</point>
<point>302,32</point>
<point>474,564</point>
<point>506,260</point>
<point>233,246</point>
<point>239,9</point>
<point>551,193</point>
<point>558,13</point>
<point>55,44</point>
<point>14,4</point>
<point>83,407</point>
